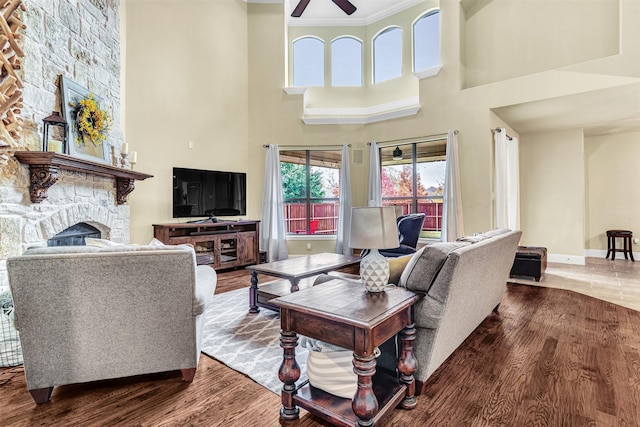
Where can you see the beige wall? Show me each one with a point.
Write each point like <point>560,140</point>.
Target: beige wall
<point>552,186</point>
<point>186,68</point>
<point>612,175</point>
<point>508,39</point>
<point>199,86</point>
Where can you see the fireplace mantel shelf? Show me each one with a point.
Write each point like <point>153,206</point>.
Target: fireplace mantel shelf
<point>44,167</point>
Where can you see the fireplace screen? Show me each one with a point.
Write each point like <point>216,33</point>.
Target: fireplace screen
<point>74,235</point>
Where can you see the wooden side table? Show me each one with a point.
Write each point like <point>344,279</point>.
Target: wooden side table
<point>293,270</point>
<point>347,315</point>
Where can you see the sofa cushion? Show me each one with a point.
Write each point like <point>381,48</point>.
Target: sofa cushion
<point>495,232</point>
<point>478,237</point>
<point>474,238</point>
<point>425,264</point>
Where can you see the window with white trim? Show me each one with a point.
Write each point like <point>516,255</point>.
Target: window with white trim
<point>346,61</point>
<point>387,54</point>
<point>311,185</point>
<point>308,62</point>
<point>426,41</point>
<point>412,178</point>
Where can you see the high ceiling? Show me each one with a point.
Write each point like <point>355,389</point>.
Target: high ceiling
<point>326,12</point>
<point>598,112</point>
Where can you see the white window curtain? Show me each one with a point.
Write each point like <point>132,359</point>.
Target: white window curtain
<point>344,207</point>
<point>273,234</point>
<point>507,181</point>
<point>375,183</point>
<point>452,224</point>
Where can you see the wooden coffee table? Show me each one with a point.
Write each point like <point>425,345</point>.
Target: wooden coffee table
<point>345,314</point>
<point>292,270</point>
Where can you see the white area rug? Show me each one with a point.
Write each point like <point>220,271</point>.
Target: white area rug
<point>245,342</point>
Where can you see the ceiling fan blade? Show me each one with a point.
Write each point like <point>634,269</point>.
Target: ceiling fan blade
<point>302,5</point>
<point>345,5</point>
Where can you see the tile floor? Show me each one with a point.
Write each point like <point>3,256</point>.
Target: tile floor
<point>616,281</point>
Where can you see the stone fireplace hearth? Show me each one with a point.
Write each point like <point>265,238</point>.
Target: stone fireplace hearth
<point>76,198</point>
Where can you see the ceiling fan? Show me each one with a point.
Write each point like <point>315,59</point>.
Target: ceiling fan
<point>345,5</point>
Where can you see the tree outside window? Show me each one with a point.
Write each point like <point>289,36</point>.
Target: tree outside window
<point>416,182</point>
<point>311,185</point>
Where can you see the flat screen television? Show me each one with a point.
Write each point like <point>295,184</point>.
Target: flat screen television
<point>198,193</point>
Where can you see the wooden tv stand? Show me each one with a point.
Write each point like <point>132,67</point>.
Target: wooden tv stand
<point>223,244</point>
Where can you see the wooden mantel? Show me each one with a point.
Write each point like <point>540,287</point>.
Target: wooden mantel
<point>44,167</point>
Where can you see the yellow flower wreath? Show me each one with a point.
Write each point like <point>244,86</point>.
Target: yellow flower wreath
<point>92,122</point>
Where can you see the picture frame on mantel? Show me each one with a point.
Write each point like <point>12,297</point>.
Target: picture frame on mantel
<point>71,93</point>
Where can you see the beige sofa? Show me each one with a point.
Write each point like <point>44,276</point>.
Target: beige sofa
<point>462,283</point>
<point>86,313</point>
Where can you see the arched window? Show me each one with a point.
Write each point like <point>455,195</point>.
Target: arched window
<point>426,41</point>
<point>346,62</point>
<point>387,54</point>
<point>308,62</point>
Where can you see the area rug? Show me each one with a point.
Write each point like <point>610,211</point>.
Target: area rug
<point>245,342</point>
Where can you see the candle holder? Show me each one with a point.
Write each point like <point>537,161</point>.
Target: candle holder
<point>123,160</point>
<point>114,158</point>
<point>133,158</point>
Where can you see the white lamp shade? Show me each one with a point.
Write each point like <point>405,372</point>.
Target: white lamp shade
<point>373,228</point>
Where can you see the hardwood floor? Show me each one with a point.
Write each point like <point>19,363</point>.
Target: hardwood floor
<point>551,357</point>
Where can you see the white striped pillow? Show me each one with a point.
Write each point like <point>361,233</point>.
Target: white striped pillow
<point>333,372</point>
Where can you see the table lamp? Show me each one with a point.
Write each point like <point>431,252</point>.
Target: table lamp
<point>374,228</point>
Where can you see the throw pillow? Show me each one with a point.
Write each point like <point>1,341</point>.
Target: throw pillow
<point>156,242</point>
<point>425,265</point>
<point>100,243</point>
<point>333,372</point>
<point>397,266</point>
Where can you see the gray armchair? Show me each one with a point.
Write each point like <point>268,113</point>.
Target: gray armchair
<point>85,313</point>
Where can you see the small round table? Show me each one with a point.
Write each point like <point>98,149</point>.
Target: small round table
<point>626,236</point>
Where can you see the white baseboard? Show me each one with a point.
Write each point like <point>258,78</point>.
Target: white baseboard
<point>602,253</point>
<point>588,253</point>
<point>566,259</point>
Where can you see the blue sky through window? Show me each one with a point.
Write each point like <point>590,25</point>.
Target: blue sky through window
<point>346,62</point>
<point>387,55</point>
<point>308,62</point>
<point>426,42</point>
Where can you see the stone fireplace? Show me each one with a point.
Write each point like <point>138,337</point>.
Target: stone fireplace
<point>79,198</point>
<point>81,41</point>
